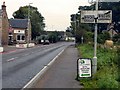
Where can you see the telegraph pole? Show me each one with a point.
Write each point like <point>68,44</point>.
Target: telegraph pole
<point>28,28</point>
<point>75,22</point>
<point>0,31</point>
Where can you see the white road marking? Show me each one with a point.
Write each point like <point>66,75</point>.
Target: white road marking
<point>26,55</point>
<point>16,57</point>
<point>12,59</point>
<point>37,77</point>
<point>32,52</point>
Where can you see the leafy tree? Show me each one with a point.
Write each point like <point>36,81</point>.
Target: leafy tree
<point>103,36</point>
<point>116,38</point>
<point>37,20</point>
<point>88,36</point>
<point>53,37</point>
<point>115,7</point>
<point>79,29</point>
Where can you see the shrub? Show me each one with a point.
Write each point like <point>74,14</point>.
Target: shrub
<point>102,37</point>
<point>107,82</point>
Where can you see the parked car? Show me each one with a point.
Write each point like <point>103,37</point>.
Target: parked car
<point>46,42</point>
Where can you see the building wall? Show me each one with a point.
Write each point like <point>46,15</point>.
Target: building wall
<point>5,26</point>
<point>17,31</point>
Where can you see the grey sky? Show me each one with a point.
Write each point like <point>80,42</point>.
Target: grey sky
<point>56,12</point>
<point>109,0</point>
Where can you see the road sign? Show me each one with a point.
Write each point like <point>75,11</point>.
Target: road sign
<point>104,16</point>
<point>84,67</point>
<point>109,0</point>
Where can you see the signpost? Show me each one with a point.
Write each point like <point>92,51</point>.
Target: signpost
<point>103,16</point>
<point>84,68</point>
<point>96,16</point>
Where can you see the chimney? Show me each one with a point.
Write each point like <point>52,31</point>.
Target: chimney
<point>3,7</point>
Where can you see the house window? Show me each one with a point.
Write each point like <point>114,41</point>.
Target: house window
<point>23,37</point>
<point>10,38</point>
<point>20,37</point>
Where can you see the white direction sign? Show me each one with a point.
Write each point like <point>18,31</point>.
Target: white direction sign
<point>109,0</point>
<point>84,67</point>
<point>104,16</point>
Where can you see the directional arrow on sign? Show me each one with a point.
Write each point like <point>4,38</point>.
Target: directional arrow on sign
<point>102,16</point>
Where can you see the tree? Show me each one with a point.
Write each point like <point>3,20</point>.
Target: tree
<point>79,29</point>
<point>116,38</point>
<point>37,20</point>
<point>103,36</point>
<point>115,7</point>
<point>54,37</point>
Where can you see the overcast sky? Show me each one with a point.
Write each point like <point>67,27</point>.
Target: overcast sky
<point>56,12</point>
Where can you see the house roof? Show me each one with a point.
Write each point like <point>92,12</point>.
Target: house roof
<point>18,23</point>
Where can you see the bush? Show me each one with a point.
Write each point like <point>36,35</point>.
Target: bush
<point>106,57</point>
<point>102,37</point>
<point>107,82</point>
<point>88,37</point>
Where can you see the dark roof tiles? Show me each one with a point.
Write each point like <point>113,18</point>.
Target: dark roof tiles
<point>18,23</point>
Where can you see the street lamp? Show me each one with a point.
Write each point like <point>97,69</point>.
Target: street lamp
<point>28,32</point>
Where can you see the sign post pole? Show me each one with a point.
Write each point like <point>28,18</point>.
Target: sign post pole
<point>94,62</point>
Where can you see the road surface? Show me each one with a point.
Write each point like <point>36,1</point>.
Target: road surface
<point>21,66</point>
<point>62,73</point>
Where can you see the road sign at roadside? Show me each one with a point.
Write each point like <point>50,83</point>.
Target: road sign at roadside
<point>104,16</point>
<point>84,67</point>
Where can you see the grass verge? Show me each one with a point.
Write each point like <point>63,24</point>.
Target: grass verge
<point>107,75</point>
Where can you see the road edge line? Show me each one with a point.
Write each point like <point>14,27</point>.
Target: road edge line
<point>37,76</point>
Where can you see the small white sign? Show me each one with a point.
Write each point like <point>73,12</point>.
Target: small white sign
<point>84,67</point>
<point>19,31</point>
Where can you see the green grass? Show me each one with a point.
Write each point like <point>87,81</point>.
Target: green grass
<point>107,70</point>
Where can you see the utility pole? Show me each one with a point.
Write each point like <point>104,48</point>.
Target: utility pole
<point>0,30</point>
<point>28,28</point>
<point>75,22</point>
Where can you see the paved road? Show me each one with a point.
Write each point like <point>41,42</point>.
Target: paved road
<point>21,66</point>
<point>63,72</point>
